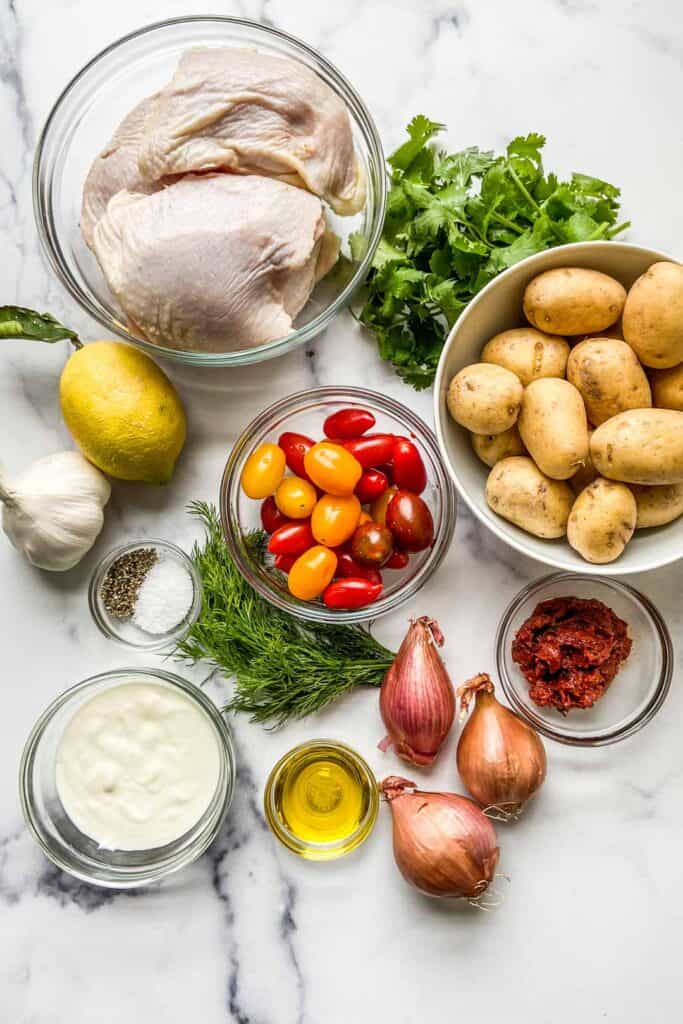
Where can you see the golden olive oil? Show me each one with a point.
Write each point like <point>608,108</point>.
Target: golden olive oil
<point>321,800</point>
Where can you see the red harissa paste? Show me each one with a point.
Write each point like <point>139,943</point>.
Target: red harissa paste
<point>570,650</point>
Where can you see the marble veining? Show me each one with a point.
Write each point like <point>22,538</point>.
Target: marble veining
<point>591,920</point>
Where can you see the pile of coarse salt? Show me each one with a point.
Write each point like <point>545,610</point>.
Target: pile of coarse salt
<point>164,598</point>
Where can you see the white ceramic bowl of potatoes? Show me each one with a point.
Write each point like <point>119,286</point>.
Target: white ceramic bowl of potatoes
<point>559,407</point>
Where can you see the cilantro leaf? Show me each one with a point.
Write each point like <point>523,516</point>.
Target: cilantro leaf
<point>420,131</point>
<point>456,220</point>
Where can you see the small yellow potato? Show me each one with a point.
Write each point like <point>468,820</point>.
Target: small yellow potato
<point>573,300</point>
<point>657,506</point>
<point>518,491</point>
<point>641,446</point>
<point>609,377</point>
<point>528,353</point>
<point>653,316</point>
<point>491,448</point>
<point>485,398</point>
<point>667,387</point>
<point>585,474</point>
<point>552,424</point>
<point>602,521</point>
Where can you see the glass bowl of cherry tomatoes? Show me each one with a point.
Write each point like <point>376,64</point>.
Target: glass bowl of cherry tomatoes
<point>336,505</point>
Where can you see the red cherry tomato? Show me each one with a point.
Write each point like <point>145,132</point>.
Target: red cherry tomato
<point>291,539</point>
<point>351,593</point>
<point>295,447</point>
<point>372,483</point>
<point>348,567</point>
<point>410,521</point>
<point>285,562</point>
<point>407,466</point>
<point>372,544</point>
<point>348,423</point>
<point>371,450</point>
<point>388,471</point>
<point>398,560</point>
<point>271,516</point>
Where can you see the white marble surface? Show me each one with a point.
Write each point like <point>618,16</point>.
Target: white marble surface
<point>590,929</point>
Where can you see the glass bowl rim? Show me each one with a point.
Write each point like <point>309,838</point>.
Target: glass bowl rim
<point>331,850</point>
<point>310,611</point>
<point>52,249</point>
<point>637,720</point>
<point>165,639</point>
<point>143,874</point>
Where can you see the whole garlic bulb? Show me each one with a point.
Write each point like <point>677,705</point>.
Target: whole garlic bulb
<point>53,509</point>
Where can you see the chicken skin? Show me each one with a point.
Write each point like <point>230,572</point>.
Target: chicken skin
<point>116,168</point>
<point>214,262</point>
<point>247,112</point>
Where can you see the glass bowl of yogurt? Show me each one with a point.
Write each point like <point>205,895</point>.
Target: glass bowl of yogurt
<point>127,776</point>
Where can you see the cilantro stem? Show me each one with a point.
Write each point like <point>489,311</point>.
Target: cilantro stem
<point>474,230</point>
<point>507,223</point>
<point>522,188</point>
<point>618,229</point>
<point>527,195</point>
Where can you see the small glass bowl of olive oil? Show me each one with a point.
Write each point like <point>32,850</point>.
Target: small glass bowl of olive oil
<point>321,800</point>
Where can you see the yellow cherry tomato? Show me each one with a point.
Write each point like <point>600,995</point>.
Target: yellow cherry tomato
<point>335,518</point>
<point>296,497</point>
<point>378,509</point>
<point>312,572</point>
<point>332,468</point>
<point>263,471</point>
<point>365,517</point>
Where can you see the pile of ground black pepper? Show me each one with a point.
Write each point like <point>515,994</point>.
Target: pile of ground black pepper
<point>124,578</point>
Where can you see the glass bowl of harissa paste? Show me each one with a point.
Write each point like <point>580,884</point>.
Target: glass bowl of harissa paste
<point>126,777</point>
<point>636,665</point>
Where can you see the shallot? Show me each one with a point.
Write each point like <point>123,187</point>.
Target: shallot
<point>443,844</point>
<point>416,699</point>
<point>500,758</point>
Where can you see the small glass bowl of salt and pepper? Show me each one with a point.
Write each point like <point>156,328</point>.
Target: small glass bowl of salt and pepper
<point>145,594</point>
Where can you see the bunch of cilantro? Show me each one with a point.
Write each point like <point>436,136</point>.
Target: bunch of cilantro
<point>456,220</point>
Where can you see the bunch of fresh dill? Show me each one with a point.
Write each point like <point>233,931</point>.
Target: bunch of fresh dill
<point>283,667</point>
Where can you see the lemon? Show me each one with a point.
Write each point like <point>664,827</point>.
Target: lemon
<point>123,412</point>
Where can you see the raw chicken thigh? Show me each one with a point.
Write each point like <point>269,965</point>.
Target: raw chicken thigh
<point>116,168</point>
<point>214,262</point>
<point>246,112</point>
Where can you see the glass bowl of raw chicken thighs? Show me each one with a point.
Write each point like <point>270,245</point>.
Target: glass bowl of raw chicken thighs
<point>211,190</point>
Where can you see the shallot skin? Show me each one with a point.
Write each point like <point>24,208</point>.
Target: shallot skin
<point>501,759</point>
<point>416,701</point>
<point>443,844</point>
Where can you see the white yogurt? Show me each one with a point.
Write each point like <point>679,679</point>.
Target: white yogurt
<point>137,766</point>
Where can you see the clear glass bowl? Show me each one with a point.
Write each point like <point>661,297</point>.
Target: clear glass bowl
<point>64,844</point>
<point>294,760</point>
<point>636,693</point>
<point>304,413</point>
<point>124,631</point>
<point>93,104</point>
